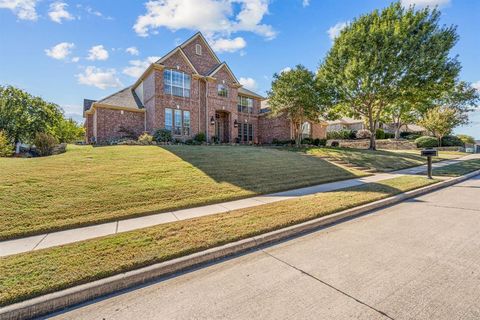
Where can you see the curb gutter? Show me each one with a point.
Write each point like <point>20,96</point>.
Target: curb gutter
<point>72,296</point>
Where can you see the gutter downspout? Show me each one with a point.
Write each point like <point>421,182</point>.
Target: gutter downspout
<point>199,106</point>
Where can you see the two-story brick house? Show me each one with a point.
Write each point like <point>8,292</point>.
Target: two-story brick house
<point>187,91</point>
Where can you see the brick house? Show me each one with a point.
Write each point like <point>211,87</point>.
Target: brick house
<point>187,91</point>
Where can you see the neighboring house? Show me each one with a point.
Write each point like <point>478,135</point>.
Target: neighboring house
<point>188,91</point>
<point>345,124</point>
<point>282,129</point>
<point>477,146</point>
<point>411,128</point>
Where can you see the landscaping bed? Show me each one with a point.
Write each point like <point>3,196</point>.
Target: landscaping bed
<point>380,160</point>
<point>31,274</point>
<point>90,185</point>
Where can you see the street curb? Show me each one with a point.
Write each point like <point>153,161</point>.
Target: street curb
<point>72,296</point>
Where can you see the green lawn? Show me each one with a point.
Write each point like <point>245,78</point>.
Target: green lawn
<point>89,185</point>
<point>458,169</point>
<point>381,160</point>
<point>36,273</point>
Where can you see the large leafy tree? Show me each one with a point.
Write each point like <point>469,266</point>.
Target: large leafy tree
<point>294,95</point>
<point>67,130</point>
<point>23,115</point>
<point>397,57</point>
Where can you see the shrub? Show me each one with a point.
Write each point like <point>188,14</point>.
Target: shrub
<point>200,137</point>
<point>162,135</point>
<point>306,141</point>
<point>410,135</point>
<point>380,134</point>
<point>44,143</point>
<point>426,142</point>
<point>145,139</point>
<point>335,144</point>
<point>6,148</point>
<point>389,135</point>
<point>321,142</point>
<point>452,141</point>
<point>364,134</point>
<point>128,133</point>
<point>341,134</point>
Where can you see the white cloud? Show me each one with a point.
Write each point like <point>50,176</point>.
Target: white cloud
<point>228,45</point>
<point>133,51</point>
<point>248,83</point>
<point>137,67</point>
<point>100,78</point>
<point>305,3</point>
<point>215,18</point>
<point>75,59</point>
<point>476,85</point>
<point>60,51</point>
<point>23,9</point>
<point>97,53</point>
<point>424,3</point>
<point>287,69</point>
<point>334,31</point>
<point>58,12</point>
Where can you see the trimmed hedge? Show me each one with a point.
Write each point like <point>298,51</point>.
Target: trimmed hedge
<point>426,142</point>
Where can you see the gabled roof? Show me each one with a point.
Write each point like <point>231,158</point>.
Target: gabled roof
<point>247,92</point>
<point>182,53</point>
<point>200,35</point>
<point>219,67</point>
<point>125,98</point>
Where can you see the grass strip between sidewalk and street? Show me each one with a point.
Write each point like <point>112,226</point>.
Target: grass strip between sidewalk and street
<point>458,169</point>
<point>36,273</point>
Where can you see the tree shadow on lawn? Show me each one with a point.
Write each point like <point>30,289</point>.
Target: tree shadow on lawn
<point>260,170</point>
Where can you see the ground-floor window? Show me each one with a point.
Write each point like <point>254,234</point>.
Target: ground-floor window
<point>177,121</point>
<point>245,132</point>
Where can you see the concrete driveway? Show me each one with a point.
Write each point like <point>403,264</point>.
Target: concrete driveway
<point>416,260</point>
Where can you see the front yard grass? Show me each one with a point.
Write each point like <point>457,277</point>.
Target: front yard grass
<point>381,160</point>
<point>87,185</point>
<point>458,169</point>
<point>31,274</point>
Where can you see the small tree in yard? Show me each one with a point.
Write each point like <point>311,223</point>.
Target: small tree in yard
<point>440,121</point>
<point>6,148</point>
<point>294,94</point>
<point>385,58</point>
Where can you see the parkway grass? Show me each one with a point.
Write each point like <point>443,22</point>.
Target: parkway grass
<point>31,274</point>
<point>88,185</point>
<point>458,169</point>
<point>381,160</point>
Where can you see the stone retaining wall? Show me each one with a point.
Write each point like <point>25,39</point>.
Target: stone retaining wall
<point>381,144</point>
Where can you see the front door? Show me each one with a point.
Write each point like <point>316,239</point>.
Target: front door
<point>221,127</point>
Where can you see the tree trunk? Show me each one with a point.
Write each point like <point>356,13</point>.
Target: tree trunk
<point>397,131</point>
<point>17,147</point>
<point>373,142</point>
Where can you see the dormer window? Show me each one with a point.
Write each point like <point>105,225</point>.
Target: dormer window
<point>198,49</point>
<point>222,90</point>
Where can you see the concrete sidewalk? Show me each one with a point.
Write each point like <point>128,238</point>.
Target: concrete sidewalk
<point>79,234</point>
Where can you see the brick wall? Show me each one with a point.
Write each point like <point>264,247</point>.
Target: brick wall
<point>89,128</point>
<point>274,128</point>
<point>203,63</point>
<point>156,117</point>
<point>110,121</point>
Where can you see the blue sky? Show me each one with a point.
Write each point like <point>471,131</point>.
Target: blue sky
<point>68,50</point>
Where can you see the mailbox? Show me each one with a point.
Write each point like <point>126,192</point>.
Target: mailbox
<point>429,153</point>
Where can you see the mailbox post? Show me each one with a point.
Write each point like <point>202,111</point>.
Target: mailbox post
<point>429,153</point>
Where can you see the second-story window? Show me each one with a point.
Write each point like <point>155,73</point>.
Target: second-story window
<point>245,104</point>
<point>222,90</point>
<point>176,83</point>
